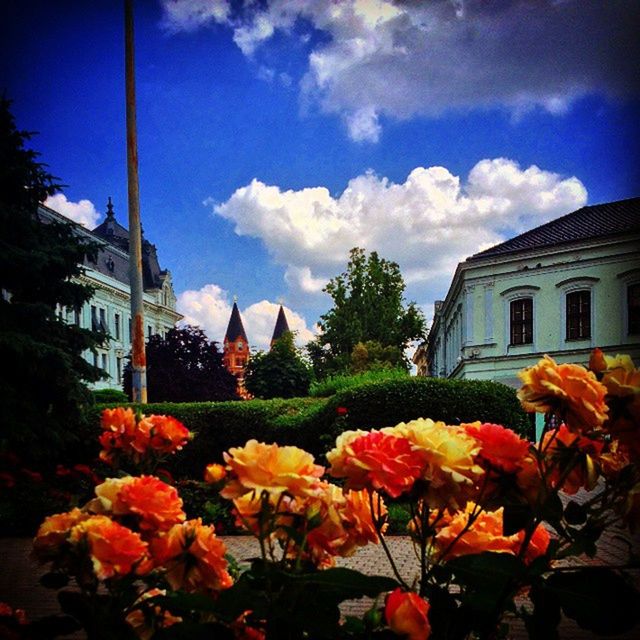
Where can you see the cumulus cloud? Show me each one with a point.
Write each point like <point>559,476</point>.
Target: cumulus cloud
<point>427,224</point>
<point>82,212</point>
<point>210,308</point>
<point>401,58</point>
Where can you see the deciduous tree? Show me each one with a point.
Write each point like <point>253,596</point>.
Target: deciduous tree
<point>184,366</point>
<point>278,373</point>
<point>368,306</point>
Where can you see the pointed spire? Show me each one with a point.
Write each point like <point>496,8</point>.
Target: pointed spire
<point>235,329</point>
<point>282,326</point>
<point>110,213</point>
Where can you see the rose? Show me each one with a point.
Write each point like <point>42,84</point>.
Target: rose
<point>567,389</point>
<point>501,449</point>
<point>406,614</point>
<point>214,473</point>
<point>375,460</point>
<point>261,467</point>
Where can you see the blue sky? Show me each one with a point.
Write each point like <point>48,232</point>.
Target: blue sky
<point>274,136</point>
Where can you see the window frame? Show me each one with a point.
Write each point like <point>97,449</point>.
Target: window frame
<point>525,324</point>
<point>581,318</point>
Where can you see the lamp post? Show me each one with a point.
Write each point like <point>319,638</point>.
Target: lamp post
<point>138,356</point>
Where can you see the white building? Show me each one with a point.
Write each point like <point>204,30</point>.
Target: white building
<point>561,289</point>
<point>110,307</point>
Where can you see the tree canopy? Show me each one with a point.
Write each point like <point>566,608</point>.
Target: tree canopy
<point>184,366</point>
<point>368,307</point>
<point>278,373</point>
<point>41,362</point>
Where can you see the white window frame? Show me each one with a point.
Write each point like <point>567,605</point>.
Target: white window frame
<point>572,285</point>
<point>511,295</point>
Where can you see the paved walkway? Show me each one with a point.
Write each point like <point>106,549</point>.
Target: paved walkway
<point>19,576</point>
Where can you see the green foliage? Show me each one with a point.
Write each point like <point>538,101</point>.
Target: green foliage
<point>278,373</point>
<point>371,355</point>
<point>368,305</point>
<point>109,395</point>
<point>184,366</point>
<point>313,423</point>
<point>340,382</point>
<point>42,368</point>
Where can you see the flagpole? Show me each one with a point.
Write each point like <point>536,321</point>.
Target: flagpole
<point>138,356</point>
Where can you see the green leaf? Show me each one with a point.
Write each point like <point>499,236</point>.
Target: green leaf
<point>348,583</point>
<point>516,517</point>
<point>575,513</point>
<point>542,624</point>
<point>599,599</point>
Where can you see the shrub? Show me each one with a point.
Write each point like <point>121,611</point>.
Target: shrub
<point>313,423</point>
<point>334,384</point>
<point>109,395</point>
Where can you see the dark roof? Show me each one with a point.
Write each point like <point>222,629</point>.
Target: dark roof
<point>112,231</point>
<point>282,326</point>
<point>235,329</point>
<point>608,219</point>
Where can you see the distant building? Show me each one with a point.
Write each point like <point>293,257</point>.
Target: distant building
<point>236,348</point>
<point>420,360</point>
<point>110,307</point>
<point>282,326</point>
<point>561,289</point>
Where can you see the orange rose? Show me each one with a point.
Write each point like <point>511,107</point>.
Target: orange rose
<point>53,532</point>
<point>214,473</point>
<point>567,389</point>
<point>268,467</point>
<point>147,619</point>
<point>486,534</point>
<point>406,614</point>
<point>119,420</point>
<point>157,504</point>
<point>559,447</point>
<point>501,448</point>
<point>375,460</point>
<point>529,480</point>
<point>167,435</point>
<point>193,557</point>
<point>114,549</point>
<point>449,460</point>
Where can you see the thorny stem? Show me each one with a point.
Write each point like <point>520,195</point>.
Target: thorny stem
<point>378,525</point>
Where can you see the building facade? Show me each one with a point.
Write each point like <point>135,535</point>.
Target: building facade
<point>236,348</point>
<point>110,307</point>
<point>560,289</point>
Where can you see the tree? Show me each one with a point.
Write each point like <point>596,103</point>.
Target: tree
<point>279,373</point>
<point>368,307</point>
<point>42,391</point>
<point>184,366</point>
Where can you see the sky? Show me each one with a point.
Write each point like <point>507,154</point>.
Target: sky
<point>275,135</point>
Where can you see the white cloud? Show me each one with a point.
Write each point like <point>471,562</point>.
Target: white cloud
<point>82,212</point>
<point>210,309</point>
<point>427,224</point>
<point>399,58</point>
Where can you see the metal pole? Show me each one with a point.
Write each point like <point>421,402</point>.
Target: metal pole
<point>138,357</point>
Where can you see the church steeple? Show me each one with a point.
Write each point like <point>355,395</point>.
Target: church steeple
<point>236,348</point>
<point>282,326</point>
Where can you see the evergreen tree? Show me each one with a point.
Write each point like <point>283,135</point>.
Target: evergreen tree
<point>42,369</point>
<point>368,307</point>
<point>278,373</point>
<point>184,367</point>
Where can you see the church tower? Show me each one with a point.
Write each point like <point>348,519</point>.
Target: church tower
<point>236,348</point>
<point>282,326</point>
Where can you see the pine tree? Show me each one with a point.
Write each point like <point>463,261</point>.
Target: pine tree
<point>42,391</point>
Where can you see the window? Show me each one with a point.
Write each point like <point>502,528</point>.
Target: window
<point>95,359</point>
<point>103,320</point>
<point>119,369</point>
<point>104,362</point>
<point>521,321</point>
<point>116,323</point>
<point>149,331</point>
<point>240,346</point>
<point>578,315</point>
<point>94,318</point>
<point>633,308</point>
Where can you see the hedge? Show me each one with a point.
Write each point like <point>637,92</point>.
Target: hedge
<point>313,423</point>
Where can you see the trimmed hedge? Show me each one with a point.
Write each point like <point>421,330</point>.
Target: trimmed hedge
<point>313,423</point>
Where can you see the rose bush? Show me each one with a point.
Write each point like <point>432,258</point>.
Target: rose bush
<point>493,518</point>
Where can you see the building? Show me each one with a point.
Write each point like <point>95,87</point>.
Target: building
<point>561,289</point>
<point>282,327</point>
<point>110,307</point>
<point>236,348</point>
